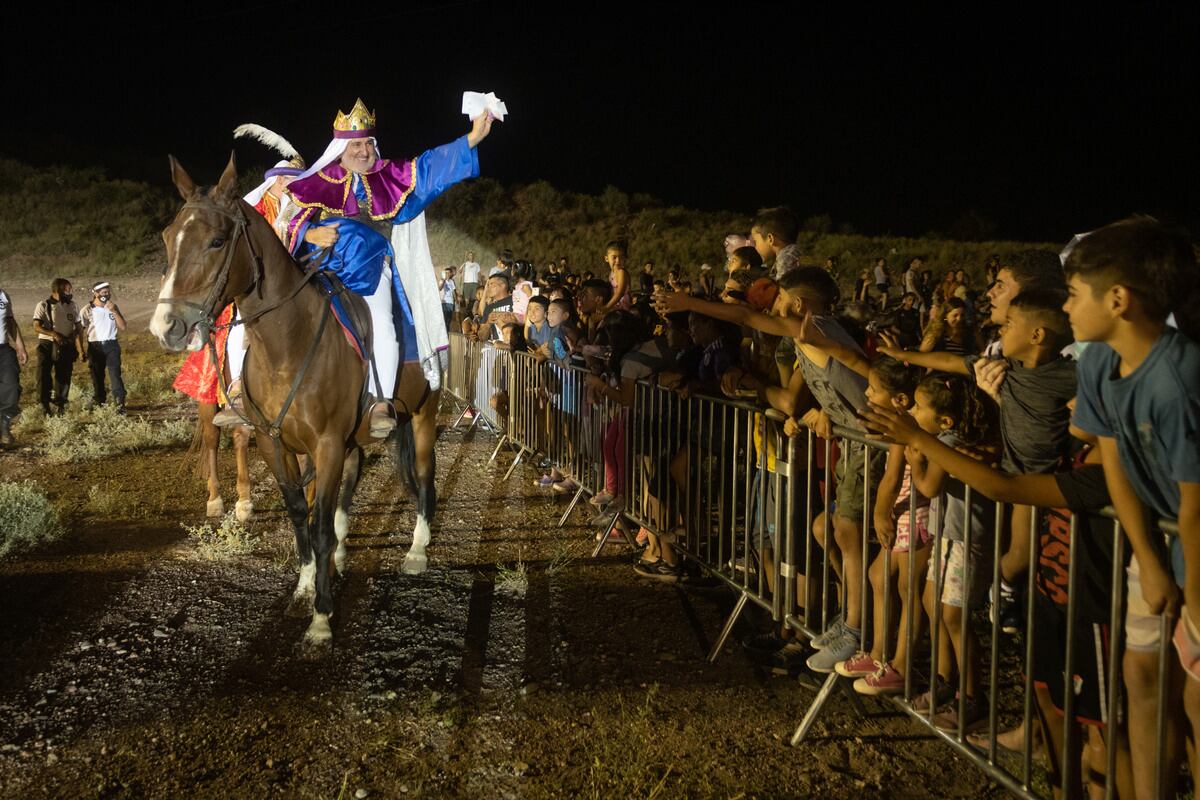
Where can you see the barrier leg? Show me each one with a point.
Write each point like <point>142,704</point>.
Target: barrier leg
<point>499,444</point>
<point>725,631</point>
<point>574,502</point>
<point>810,716</point>
<point>517,460</point>
<point>612,523</point>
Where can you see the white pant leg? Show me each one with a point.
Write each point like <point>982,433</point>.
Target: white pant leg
<point>235,349</point>
<point>387,349</point>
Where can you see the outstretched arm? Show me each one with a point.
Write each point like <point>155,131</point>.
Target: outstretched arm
<point>670,302</point>
<point>937,360</point>
<point>1034,490</point>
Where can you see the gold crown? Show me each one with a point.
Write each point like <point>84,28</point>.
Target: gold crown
<point>359,118</point>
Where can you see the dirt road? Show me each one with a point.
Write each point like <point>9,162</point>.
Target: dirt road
<point>130,666</point>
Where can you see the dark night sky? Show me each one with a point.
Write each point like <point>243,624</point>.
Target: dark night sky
<point>1048,124</point>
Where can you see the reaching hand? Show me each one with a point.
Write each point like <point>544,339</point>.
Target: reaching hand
<point>898,426</point>
<point>989,376</point>
<point>481,126</point>
<point>669,302</point>
<point>791,427</point>
<point>809,333</point>
<point>889,346</point>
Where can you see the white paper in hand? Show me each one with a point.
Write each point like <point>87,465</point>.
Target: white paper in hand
<point>475,103</point>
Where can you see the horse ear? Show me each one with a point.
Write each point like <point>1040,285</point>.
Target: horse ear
<point>183,182</point>
<point>227,186</point>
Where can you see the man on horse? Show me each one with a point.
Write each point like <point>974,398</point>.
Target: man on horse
<point>369,211</point>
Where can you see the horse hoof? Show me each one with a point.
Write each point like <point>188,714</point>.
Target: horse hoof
<point>301,605</point>
<point>244,510</point>
<point>415,565</point>
<point>215,508</point>
<point>315,649</point>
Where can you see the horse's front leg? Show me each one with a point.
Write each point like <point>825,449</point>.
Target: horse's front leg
<point>287,475</point>
<point>241,449</point>
<point>210,438</point>
<point>328,463</point>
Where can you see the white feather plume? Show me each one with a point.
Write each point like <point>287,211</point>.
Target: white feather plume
<point>268,137</point>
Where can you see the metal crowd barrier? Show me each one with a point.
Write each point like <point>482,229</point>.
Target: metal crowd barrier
<point>720,482</point>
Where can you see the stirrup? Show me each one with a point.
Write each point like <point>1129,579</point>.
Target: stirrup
<point>381,420</point>
<point>231,415</point>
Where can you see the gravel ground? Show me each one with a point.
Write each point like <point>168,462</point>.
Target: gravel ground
<point>517,666</point>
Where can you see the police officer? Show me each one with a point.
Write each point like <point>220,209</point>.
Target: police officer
<point>60,343</point>
<point>103,320</point>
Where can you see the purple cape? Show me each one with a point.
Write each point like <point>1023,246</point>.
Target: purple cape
<point>387,186</point>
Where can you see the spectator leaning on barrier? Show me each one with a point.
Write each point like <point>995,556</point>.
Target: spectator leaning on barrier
<point>496,309</point>
<point>1139,392</point>
<point>60,343</point>
<point>593,304</point>
<point>833,367</point>
<point>103,320</point>
<point>537,329</point>
<point>13,356</point>
<point>1081,491</point>
<point>1034,273</point>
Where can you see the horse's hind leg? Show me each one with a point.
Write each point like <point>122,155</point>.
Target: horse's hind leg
<point>210,438</point>
<point>241,449</point>
<point>424,432</point>
<point>351,473</point>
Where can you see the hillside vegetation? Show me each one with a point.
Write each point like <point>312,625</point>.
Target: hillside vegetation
<point>81,223</point>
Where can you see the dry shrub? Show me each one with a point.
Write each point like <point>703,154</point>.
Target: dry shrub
<point>27,518</point>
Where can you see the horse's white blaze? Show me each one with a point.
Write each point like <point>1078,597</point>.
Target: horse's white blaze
<point>244,510</point>
<point>307,585</point>
<point>318,629</point>
<point>341,527</point>
<point>160,323</point>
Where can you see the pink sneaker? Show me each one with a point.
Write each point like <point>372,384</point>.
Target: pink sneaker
<point>857,666</point>
<point>885,680</point>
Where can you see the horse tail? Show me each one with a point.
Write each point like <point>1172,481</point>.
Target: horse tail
<point>404,452</point>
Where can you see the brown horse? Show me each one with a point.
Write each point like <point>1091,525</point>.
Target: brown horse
<point>302,380</point>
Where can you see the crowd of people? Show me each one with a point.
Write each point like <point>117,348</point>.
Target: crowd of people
<point>1065,383</point>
